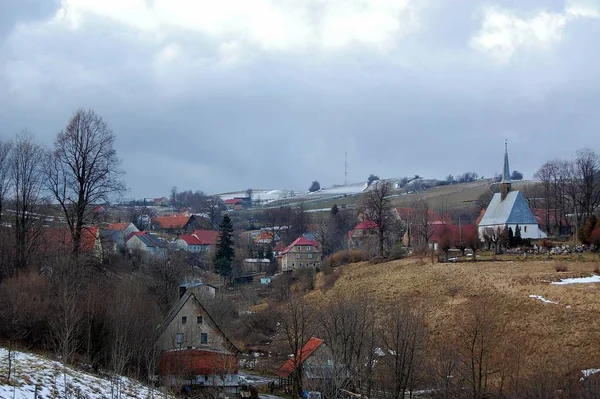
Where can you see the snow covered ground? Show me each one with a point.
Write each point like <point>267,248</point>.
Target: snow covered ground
<point>541,298</point>
<point>31,370</point>
<point>578,280</point>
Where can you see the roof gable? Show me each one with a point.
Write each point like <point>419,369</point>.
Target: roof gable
<point>172,222</point>
<point>174,311</point>
<point>307,350</point>
<point>514,209</point>
<point>300,241</point>
<point>206,237</point>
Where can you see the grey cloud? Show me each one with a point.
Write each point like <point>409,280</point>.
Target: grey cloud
<point>431,106</point>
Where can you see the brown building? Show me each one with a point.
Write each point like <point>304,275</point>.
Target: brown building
<point>194,349</point>
<point>301,253</point>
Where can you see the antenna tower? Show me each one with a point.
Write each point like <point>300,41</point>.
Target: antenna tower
<point>346,167</point>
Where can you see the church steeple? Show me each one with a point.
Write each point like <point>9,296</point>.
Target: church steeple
<point>506,182</point>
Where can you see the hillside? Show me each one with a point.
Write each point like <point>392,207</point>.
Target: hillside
<point>31,370</point>
<point>547,320</point>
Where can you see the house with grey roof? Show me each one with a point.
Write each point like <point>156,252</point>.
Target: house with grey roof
<point>508,209</point>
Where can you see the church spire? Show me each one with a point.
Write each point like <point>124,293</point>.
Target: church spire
<point>506,182</point>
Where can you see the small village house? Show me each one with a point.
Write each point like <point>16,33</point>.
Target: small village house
<point>144,244</point>
<point>113,236</point>
<point>176,224</point>
<point>200,241</point>
<point>319,371</point>
<point>194,349</point>
<point>363,235</point>
<point>58,241</point>
<point>509,208</point>
<point>301,253</point>
<point>238,203</point>
<point>255,265</point>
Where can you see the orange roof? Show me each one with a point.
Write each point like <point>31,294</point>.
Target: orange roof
<point>59,238</point>
<point>307,350</point>
<point>264,235</point>
<point>171,222</point>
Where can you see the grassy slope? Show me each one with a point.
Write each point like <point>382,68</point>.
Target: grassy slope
<point>568,330</point>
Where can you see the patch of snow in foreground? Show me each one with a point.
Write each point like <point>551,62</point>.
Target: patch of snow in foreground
<point>588,372</point>
<point>578,280</point>
<point>541,298</point>
<point>50,377</point>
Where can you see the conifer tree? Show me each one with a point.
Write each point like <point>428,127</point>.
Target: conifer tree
<point>225,252</point>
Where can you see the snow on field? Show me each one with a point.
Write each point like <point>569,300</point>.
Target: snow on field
<point>264,196</point>
<point>578,280</point>
<point>355,188</point>
<point>541,298</point>
<point>31,370</point>
<point>588,372</point>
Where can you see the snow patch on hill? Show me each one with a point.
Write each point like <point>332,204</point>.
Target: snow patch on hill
<point>30,370</point>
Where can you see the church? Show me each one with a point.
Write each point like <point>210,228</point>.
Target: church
<point>508,209</point>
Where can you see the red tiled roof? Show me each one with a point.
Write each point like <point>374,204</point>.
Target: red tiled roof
<point>265,235</point>
<point>206,237</point>
<point>233,201</point>
<point>300,241</point>
<point>190,239</point>
<point>118,226</point>
<point>279,247</point>
<point>171,222</point>
<point>197,362</point>
<point>56,238</point>
<point>307,350</point>
<point>364,225</point>
<point>540,216</point>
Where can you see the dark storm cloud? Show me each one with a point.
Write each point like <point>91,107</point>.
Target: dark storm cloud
<point>200,113</point>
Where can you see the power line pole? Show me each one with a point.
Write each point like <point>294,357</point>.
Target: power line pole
<point>345,167</point>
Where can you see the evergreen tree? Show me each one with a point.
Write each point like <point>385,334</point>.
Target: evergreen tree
<point>518,239</point>
<point>511,237</point>
<point>334,210</point>
<point>225,252</point>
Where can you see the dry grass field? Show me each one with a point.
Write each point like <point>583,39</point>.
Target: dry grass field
<point>566,330</point>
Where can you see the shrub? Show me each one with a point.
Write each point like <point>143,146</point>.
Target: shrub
<point>377,260</point>
<point>306,277</point>
<point>561,268</point>
<point>345,257</point>
<point>398,252</point>
<point>330,280</point>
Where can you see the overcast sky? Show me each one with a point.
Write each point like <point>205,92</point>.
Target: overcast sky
<point>230,94</point>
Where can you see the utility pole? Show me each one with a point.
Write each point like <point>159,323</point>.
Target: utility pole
<point>345,167</point>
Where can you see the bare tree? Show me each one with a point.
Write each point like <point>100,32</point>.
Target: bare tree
<point>277,220</point>
<point>83,170</point>
<point>26,176</point>
<point>213,208</point>
<point>377,207</point>
<point>403,339</point>
<point>5,175</point>
<point>423,227</point>
<point>347,323</point>
<point>297,320</point>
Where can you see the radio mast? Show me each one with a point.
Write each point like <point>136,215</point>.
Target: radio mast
<point>345,167</point>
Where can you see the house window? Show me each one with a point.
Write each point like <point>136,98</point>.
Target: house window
<point>297,256</point>
<point>293,265</point>
<point>183,320</point>
<point>308,247</point>
<point>199,320</point>
<point>525,229</point>
<point>299,248</point>
<point>300,264</point>
<point>179,338</point>
<point>309,256</point>
<point>203,338</point>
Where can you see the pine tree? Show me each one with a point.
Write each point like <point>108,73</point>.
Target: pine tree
<point>225,252</point>
<point>518,239</point>
<point>511,237</point>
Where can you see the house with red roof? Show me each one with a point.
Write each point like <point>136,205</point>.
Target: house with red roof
<point>363,234</point>
<point>200,241</point>
<point>58,241</point>
<point>195,349</point>
<point>176,223</point>
<point>317,364</point>
<point>237,203</point>
<point>301,253</point>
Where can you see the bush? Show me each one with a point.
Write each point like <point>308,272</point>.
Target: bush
<point>345,257</point>
<point>398,252</point>
<point>306,277</point>
<point>561,268</point>
<point>377,260</point>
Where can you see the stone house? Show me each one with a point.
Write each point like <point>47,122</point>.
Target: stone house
<point>301,253</point>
